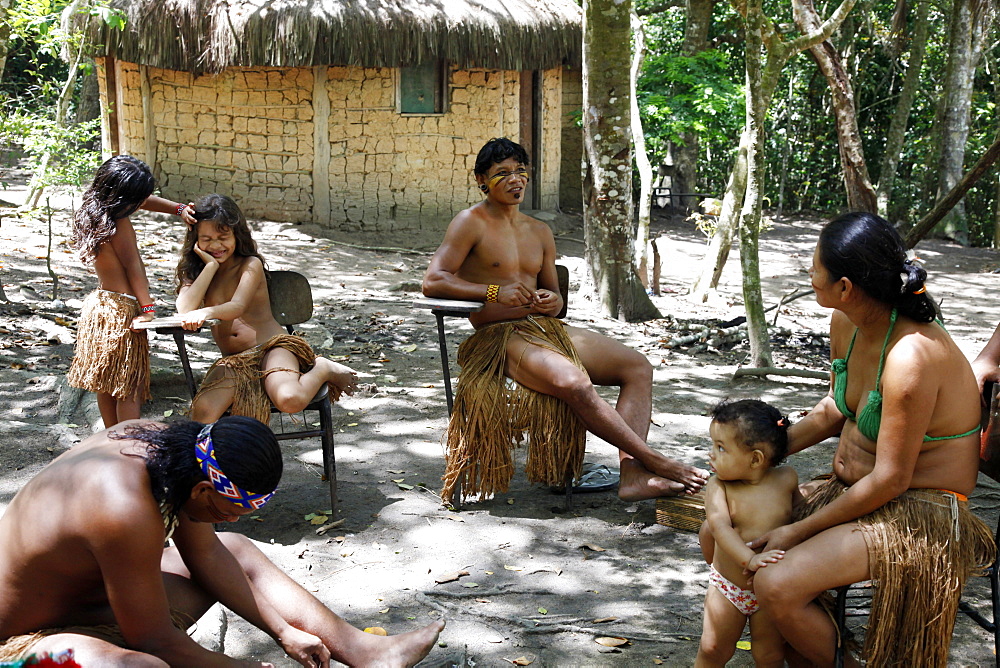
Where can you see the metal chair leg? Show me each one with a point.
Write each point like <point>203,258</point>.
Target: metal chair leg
<point>840,616</point>
<point>329,458</point>
<point>445,366</point>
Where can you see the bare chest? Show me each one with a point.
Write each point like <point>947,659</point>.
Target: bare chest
<point>507,254</point>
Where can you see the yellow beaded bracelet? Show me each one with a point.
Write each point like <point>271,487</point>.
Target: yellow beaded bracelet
<point>492,292</point>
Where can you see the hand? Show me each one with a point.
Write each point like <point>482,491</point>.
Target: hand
<point>205,256</point>
<point>187,214</point>
<point>305,648</point>
<point>761,560</point>
<point>985,371</point>
<point>193,320</point>
<point>143,317</point>
<point>777,540</point>
<point>515,294</point>
<point>545,302</point>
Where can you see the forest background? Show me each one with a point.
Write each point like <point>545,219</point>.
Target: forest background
<point>883,113</point>
<point>913,106</point>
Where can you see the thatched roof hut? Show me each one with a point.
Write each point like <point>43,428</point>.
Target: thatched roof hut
<point>348,113</point>
<point>211,36</point>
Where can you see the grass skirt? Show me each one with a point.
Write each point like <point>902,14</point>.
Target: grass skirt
<point>922,546</point>
<point>109,357</point>
<point>20,646</point>
<point>243,370</point>
<point>490,416</point>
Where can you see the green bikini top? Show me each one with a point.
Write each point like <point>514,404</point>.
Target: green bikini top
<point>869,420</point>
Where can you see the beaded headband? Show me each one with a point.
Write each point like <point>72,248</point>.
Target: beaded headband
<point>204,452</point>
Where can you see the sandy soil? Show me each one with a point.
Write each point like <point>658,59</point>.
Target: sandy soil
<point>536,583</point>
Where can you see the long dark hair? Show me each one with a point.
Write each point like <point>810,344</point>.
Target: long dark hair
<point>225,213</point>
<point>869,251</point>
<point>497,150</point>
<point>757,422</point>
<point>245,448</point>
<point>119,187</point>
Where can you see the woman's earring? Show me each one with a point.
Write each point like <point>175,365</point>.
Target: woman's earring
<point>484,188</point>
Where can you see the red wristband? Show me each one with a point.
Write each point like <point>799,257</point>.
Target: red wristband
<point>180,208</point>
<point>148,308</point>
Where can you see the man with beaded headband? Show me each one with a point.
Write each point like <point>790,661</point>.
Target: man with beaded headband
<point>83,563</point>
<point>494,253</point>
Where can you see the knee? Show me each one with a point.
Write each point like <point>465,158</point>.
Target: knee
<point>714,652</point>
<point>573,387</point>
<point>239,545</point>
<point>776,593</point>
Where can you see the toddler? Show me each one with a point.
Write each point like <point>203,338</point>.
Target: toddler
<point>748,496</point>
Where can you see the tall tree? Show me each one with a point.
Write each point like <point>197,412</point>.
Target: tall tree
<point>778,53</point>
<point>5,6</point>
<point>904,105</point>
<point>642,163</point>
<point>685,154</point>
<point>860,193</point>
<point>970,23</point>
<point>607,148</point>
<point>766,55</point>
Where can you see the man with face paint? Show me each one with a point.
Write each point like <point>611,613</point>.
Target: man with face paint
<point>494,253</point>
<point>83,564</point>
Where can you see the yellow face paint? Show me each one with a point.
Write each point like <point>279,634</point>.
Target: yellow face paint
<point>501,176</point>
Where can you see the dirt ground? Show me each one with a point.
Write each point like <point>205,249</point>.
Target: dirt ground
<point>539,576</point>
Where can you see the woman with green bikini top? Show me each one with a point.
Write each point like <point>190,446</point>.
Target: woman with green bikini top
<point>904,402</point>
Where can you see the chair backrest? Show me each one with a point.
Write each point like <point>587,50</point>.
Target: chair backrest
<point>562,272</point>
<point>291,297</point>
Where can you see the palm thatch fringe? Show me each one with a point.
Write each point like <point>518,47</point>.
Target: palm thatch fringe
<point>201,36</point>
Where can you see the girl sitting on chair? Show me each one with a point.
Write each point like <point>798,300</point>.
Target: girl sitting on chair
<point>222,276</point>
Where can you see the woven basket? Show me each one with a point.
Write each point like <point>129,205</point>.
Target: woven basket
<point>685,513</point>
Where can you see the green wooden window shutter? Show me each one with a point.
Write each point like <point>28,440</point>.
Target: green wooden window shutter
<point>420,89</point>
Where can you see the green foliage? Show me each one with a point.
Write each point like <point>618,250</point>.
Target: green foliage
<point>700,94</point>
<point>704,94</point>
<point>72,156</point>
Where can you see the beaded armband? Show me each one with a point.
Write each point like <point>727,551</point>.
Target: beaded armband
<point>148,308</point>
<point>180,208</point>
<point>492,292</point>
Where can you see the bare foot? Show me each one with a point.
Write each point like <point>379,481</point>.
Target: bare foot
<point>638,483</point>
<point>403,650</point>
<point>344,378</point>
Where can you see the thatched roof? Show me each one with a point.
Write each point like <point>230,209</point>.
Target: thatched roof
<point>210,35</point>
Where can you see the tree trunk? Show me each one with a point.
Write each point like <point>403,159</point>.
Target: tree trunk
<point>88,107</point>
<point>642,163</point>
<point>901,116</point>
<point>757,101</point>
<point>860,193</point>
<point>778,53</point>
<point>722,239</point>
<point>607,152</point>
<point>970,23</point>
<point>5,6</point>
<point>698,22</point>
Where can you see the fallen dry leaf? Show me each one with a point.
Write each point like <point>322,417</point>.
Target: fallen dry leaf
<point>451,577</point>
<point>603,620</point>
<point>591,546</point>
<point>513,568</point>
<point>610,641</point>
<point>521,661</point>
<point>376,631</point>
